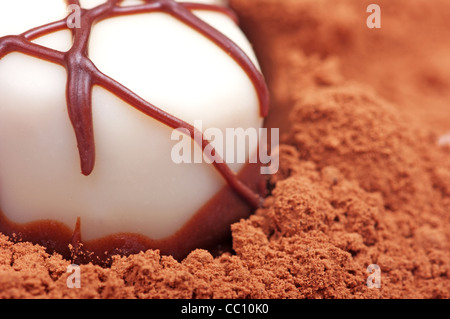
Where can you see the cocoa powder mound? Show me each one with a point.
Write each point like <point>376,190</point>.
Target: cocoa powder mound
<point>362,178</point>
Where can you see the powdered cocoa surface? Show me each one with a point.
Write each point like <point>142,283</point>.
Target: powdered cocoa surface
<point>362,179</point>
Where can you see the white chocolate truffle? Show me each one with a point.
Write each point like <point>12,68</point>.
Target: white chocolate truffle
<point>135,186</point>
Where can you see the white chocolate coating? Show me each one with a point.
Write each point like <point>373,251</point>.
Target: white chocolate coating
<point>135,186</point>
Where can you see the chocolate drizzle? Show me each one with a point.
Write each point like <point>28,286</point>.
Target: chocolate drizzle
<point>82,74</point>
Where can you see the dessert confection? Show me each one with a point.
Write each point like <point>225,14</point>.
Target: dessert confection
<point>88,108</point>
